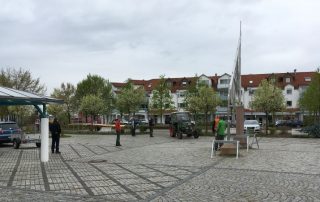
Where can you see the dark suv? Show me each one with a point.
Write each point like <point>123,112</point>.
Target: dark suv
<point>181,123</point>
<point>8,130</point>
<point>289,123</point>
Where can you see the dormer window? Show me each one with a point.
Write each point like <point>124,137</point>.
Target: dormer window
<point>307,78</point>
<point>169,84</point>
<point>288,80</point>
<point>224,81</point>
<point>184,83</point>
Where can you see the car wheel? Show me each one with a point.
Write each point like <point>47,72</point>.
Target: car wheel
<point>38,144</point>
<point>16,144</point>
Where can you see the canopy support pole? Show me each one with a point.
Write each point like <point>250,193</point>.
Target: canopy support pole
<point>44,152</point>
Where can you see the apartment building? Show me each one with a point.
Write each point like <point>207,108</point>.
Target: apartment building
<point>293,84</point>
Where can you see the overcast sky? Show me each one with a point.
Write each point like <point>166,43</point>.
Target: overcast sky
<point>65,40</point>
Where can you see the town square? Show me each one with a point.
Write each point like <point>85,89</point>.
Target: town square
<point>159,100</point>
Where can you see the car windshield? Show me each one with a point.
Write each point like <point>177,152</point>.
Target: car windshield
<point>183,117</point>
<point>251,122</point>
<point>9,126</point>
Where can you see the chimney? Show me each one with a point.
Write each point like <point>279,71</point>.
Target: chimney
<point>295,71</point>
<point>215,74</point>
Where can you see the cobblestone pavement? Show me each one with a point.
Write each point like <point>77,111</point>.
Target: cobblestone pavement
<point>91,168</point>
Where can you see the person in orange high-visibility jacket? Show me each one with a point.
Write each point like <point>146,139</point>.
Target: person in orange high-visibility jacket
<point>118,130</point>
<point>215,124</point>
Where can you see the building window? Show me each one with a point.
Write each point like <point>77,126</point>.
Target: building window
<point>184,83</point>
<point>251,91</point>
<point>289,103</point>
<point>289,91</point>
<point>205,82</point>
<point>307,78</point>
<point>224,81</point>
<point>181,105</point>
<point>182,94</point>
<point>288,80</point>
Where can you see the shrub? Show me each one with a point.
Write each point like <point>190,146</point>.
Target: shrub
<point>272,130</point>
<point>143,128</point>
<point>313,130</point>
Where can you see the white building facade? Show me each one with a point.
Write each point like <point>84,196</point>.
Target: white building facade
<point>292,84</point>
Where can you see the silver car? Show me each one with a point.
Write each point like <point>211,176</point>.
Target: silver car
<point>251,125</point>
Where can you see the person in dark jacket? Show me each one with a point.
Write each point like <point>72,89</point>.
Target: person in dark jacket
<point>151,125</point>
<point>133,126</point>
<point>55,130</point>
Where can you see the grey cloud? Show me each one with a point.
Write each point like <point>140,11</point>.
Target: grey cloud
<point>146,38</point>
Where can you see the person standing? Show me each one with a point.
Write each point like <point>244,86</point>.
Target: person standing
<point>117,127</point>
<point>133,127</point>
<point>151,125</point>
<point>220,132</point>
<point>215,125</point>
<point>55,130</point>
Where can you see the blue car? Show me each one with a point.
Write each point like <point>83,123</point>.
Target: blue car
<point>7,130</point>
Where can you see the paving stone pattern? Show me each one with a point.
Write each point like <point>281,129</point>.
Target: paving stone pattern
<point>91,168</point>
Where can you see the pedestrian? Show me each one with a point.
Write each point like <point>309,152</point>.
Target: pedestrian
<point>55,130</point>
<point>133,127</point>
<point>151,125</point>
<point>117,127</point>
<point>220,132</point>
<point>215,125</point>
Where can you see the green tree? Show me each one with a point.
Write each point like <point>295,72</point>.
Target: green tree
<point>92,105</point>
<point>203,100</point>
<point>66,92</point>
<point>20,79</point>
<point>268,99</point>
<point>98,86</point>
<point>130,98</point>
<point>310,98</point>
<point>192,95</point>
<point>161,99</point>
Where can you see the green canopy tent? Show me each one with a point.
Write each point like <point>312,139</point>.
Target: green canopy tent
<point>10,96</point>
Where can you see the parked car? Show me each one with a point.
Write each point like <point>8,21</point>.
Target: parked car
<point>181,123</point>
<point>296,123</point>
<point>7,130</point>
<point>122,122</point>
<point>138,122</point>
<point>289,123</point>
<point>251,125</point>
<point>280,123</point>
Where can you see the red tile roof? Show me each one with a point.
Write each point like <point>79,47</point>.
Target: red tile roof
<point>296,79</point>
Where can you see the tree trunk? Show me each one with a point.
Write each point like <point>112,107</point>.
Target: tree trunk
<point>206,114</point>
<point>69,117</point>
<point>267,122</point>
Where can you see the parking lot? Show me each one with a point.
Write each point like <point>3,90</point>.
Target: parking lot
<point>91,168</point>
